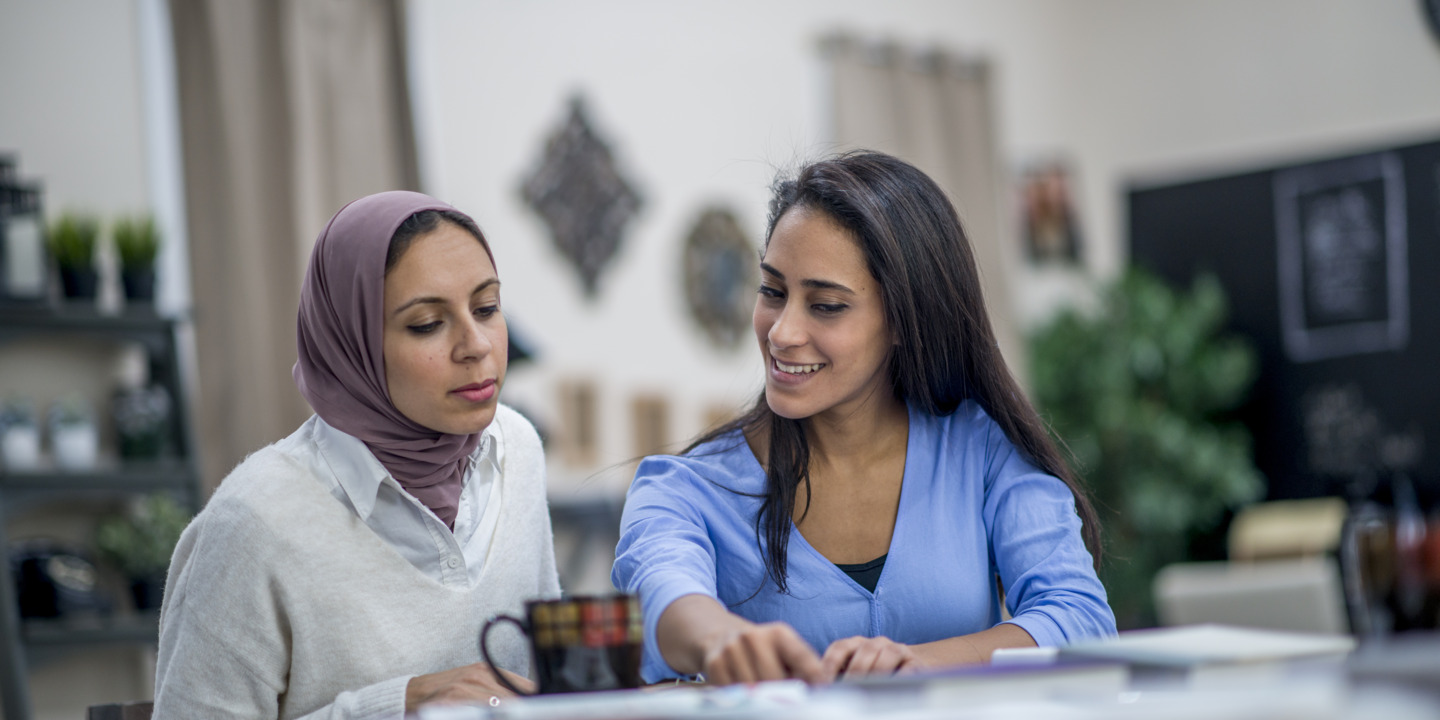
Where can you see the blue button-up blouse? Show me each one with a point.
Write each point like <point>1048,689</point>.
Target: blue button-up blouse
<point>971,510</point>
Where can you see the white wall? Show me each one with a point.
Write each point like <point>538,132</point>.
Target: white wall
<point>702,102</point>
<point>70,101</point>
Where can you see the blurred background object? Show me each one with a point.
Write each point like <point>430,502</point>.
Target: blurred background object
<point>1139,390</point>
<point>1192,135</point>
<point>1283,572</point>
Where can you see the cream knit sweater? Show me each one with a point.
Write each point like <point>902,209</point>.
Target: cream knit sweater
<point>281,603</point>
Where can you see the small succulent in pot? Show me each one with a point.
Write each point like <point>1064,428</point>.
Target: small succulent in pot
<point>137,242</point>
<point>71,241</point>
<point>19,434</point>
<point>73,436</point>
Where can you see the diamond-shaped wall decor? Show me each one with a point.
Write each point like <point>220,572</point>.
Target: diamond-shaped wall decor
<point>580,194</point>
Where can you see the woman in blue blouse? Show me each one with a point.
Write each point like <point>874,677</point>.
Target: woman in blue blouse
<point>890,485</point>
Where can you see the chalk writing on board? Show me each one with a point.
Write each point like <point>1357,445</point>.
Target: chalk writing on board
<point>1342,257</point>
<point>1346,435</point>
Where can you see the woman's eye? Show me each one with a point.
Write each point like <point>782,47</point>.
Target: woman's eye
<point>828,308</point>
<point>424,329</point>
<point>770,292</point>
<point>486,311</point>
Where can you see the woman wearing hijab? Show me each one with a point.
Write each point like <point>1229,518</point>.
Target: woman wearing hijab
<point>346,571</point>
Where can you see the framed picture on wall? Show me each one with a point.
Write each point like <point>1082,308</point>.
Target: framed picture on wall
<point>1049,224</point>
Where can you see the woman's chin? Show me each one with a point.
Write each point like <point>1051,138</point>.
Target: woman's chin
<point>464,424</point>
<point>787,408</point>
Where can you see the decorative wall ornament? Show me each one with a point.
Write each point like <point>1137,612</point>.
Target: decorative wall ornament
<point>1048,218</point>
<point>581,195</point>
<point>720,277</point>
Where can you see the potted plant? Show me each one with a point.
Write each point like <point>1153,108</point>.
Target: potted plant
<point>71,241</point>
<point>19,434</point>
<point>137,242</point>
<point>73,436</point>
<point>1140,394</point>
<point>142,420</point>
<point>139,544</point>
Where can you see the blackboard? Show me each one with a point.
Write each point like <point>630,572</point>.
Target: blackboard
<point>1332,268</point>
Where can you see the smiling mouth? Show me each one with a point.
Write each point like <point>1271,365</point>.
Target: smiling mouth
<point>798,369</point>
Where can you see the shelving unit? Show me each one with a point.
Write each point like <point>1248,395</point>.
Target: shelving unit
<point>24,643</point>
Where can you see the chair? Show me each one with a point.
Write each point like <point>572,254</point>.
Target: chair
<point>120,711</point>
<point>1299,594</point>
<point>1282,573</point>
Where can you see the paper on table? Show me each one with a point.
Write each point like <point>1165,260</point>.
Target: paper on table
<point>1210,644</point>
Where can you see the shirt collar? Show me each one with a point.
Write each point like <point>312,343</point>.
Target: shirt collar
<point>359,474</point>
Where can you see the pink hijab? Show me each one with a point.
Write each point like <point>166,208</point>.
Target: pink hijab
<point>341,366</point>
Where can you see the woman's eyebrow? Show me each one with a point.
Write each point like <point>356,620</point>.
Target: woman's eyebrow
<point>808,282</point>
<point>434,299</point>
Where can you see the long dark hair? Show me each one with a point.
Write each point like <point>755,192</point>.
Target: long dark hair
<point>916,248</point>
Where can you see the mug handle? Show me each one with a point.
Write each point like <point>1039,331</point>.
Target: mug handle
<point>485,651</point>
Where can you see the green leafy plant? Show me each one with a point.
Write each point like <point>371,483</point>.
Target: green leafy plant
<point>137,242</point>
<point>71,241</point>
<point>141,541</point>
<point>70,410</point>
<point>1140,393</point>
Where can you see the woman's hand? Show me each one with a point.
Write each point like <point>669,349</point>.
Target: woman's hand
<point>475,684</point>
<point>855,656</point>
<point>696,634</point>
<point>754,653</point>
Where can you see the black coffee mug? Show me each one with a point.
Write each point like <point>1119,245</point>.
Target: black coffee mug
<point>580,644</point>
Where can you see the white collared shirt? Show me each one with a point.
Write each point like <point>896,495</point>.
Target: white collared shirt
<point>358,479</point>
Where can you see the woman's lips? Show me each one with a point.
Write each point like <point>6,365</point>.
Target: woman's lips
<point>476,392</point>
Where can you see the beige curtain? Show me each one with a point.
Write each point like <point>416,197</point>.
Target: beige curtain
<point>289,109</point>
<point>936,111</point>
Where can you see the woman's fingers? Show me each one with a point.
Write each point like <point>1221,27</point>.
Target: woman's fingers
<point>800,659</point>
<point>837,656</point>
<point>773,651</point>
<point>522,683</point>
<point>468,683</point>
<point>855,656</point>
<point>762,650</point>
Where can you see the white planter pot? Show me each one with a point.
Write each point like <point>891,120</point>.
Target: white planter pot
<point>75,446</point>
<point>20,448</point>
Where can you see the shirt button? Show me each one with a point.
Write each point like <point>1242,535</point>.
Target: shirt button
<point>453,562</point>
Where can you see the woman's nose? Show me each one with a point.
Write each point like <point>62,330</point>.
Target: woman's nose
<point>473,343</point>
<point>788,329</point>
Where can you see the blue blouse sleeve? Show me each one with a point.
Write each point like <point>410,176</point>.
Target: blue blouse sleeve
<point>1051,588</point>
<point>665,550</point>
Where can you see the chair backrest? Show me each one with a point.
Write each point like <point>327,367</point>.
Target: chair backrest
<point>1287,529</point>
<point>120,711</point>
